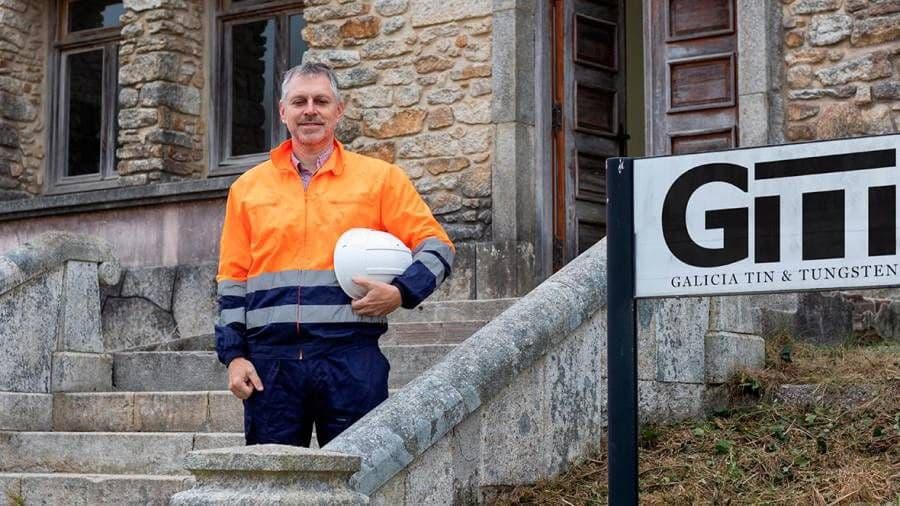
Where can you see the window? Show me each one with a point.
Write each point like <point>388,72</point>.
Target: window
<point>84,112</point>
<point>258,41</point>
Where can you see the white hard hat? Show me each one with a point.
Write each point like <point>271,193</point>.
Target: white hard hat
<point>368,253</point>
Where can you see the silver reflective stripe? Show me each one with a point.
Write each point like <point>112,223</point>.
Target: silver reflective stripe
<point>232,287</point>
<point>434,265</point>
<point>438,246</point>
<point>228,316</point>
<point>282,279</point>
<point>341,313</point>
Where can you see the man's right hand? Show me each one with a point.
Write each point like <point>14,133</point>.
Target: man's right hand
<point>242,378</point>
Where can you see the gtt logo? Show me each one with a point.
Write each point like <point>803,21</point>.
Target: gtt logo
<point>823,233</point>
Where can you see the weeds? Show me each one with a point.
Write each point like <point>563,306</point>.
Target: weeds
<point>767,452</point>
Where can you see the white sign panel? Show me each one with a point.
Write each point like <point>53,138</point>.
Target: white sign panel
<point>818,215</point>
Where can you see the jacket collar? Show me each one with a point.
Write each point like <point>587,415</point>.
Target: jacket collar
<point>281,158</point>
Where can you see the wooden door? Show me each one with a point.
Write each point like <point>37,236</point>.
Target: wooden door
<point>692,59</point>
<point>589,115</point>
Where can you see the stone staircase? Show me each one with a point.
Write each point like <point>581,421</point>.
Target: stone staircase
<point>127,445</point>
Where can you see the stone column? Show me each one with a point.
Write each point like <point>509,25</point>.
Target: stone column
<point>161,78</point>
<point>270,474</point>
<point>22,49</point>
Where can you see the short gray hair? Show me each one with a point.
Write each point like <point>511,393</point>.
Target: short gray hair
<point>311,69</point>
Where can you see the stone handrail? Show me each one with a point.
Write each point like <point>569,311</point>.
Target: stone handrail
<point>412,420</point>
<point>52,249</point>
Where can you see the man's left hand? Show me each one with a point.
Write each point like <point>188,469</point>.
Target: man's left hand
<point>381,298</point>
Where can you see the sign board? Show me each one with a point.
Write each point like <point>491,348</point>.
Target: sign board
<point>819,215</point>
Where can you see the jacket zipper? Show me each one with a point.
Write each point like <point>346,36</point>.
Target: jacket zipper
<point>305,207</point>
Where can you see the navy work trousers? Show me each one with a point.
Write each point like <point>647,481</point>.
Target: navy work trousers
<point>333,384</point>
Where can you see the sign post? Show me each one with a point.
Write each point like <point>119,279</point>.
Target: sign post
<point>621,346</point>
<point>806,216</point>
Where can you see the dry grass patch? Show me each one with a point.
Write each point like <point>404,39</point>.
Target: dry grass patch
<point>767,452</point>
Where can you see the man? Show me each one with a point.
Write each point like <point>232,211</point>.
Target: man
<point>299,352</point>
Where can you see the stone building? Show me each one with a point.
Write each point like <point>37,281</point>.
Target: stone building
<point>129,119</point>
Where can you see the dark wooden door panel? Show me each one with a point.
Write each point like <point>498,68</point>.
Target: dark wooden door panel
<point>692,53</point>
<point>591,92</point>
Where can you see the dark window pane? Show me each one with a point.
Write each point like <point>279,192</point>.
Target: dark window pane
<point>297,44</point>
<point>88,14</point>
<point>85,89</point>
<point>252,85</point>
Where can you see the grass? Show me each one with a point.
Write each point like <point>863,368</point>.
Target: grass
<point>766,452</point>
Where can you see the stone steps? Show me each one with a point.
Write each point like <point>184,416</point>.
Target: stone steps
<point>204,412</point>
<point>127,446</point>
<point>431,332</point>
<point>105,452</point>
<point>168,371</point>
<point>91,489</point>
<point>452,311</point>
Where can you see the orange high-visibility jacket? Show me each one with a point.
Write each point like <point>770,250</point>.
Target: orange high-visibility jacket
<point>276,281</point>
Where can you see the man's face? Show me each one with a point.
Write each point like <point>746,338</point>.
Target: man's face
<point>311,111</point>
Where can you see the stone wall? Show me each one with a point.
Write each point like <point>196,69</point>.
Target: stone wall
<point>842,61</point>
<point>517,402</point>
<point>417,81</point>
<point>161,131</point>
<point>22,49</point>
<point>158,305</point>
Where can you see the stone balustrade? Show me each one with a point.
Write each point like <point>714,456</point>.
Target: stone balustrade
<point>50,314</point>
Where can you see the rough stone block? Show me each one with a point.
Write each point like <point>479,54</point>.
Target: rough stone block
<point>81,372</point>
<point>194,301</point>
<point>80,317</point>
<point>94,452</point>
<point>134,322</point>
<point>209,441</point>
<point>169,371</point>
<point>726,353</point>
<point>754,111</point>
<point>289,475</point>
<point>391,493</point>
<point>89,412</point>
<point>574,392</point>
<point>823,319</point>
<point>461,283</point>
<point>151,283</point>
<point>466,450</point>
<point>29,315</point>
<point>226,412</point>
<point>669,402</point>
<point>429,478</point>
<point>452,311</point>
<point>121,490</point>
<point>432,13</point>
<point>11,488</point>
<point>680,325</point>
<point>170,411</point>
<point>733,313</point>
<point>514,433</point>
<point>496,270</point>
<point>20,411</point>
<point>409,361</point>
<point>647,340</point>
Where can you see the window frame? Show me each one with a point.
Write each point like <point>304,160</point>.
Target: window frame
<point>107,41</point>
<point>226,17</point>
